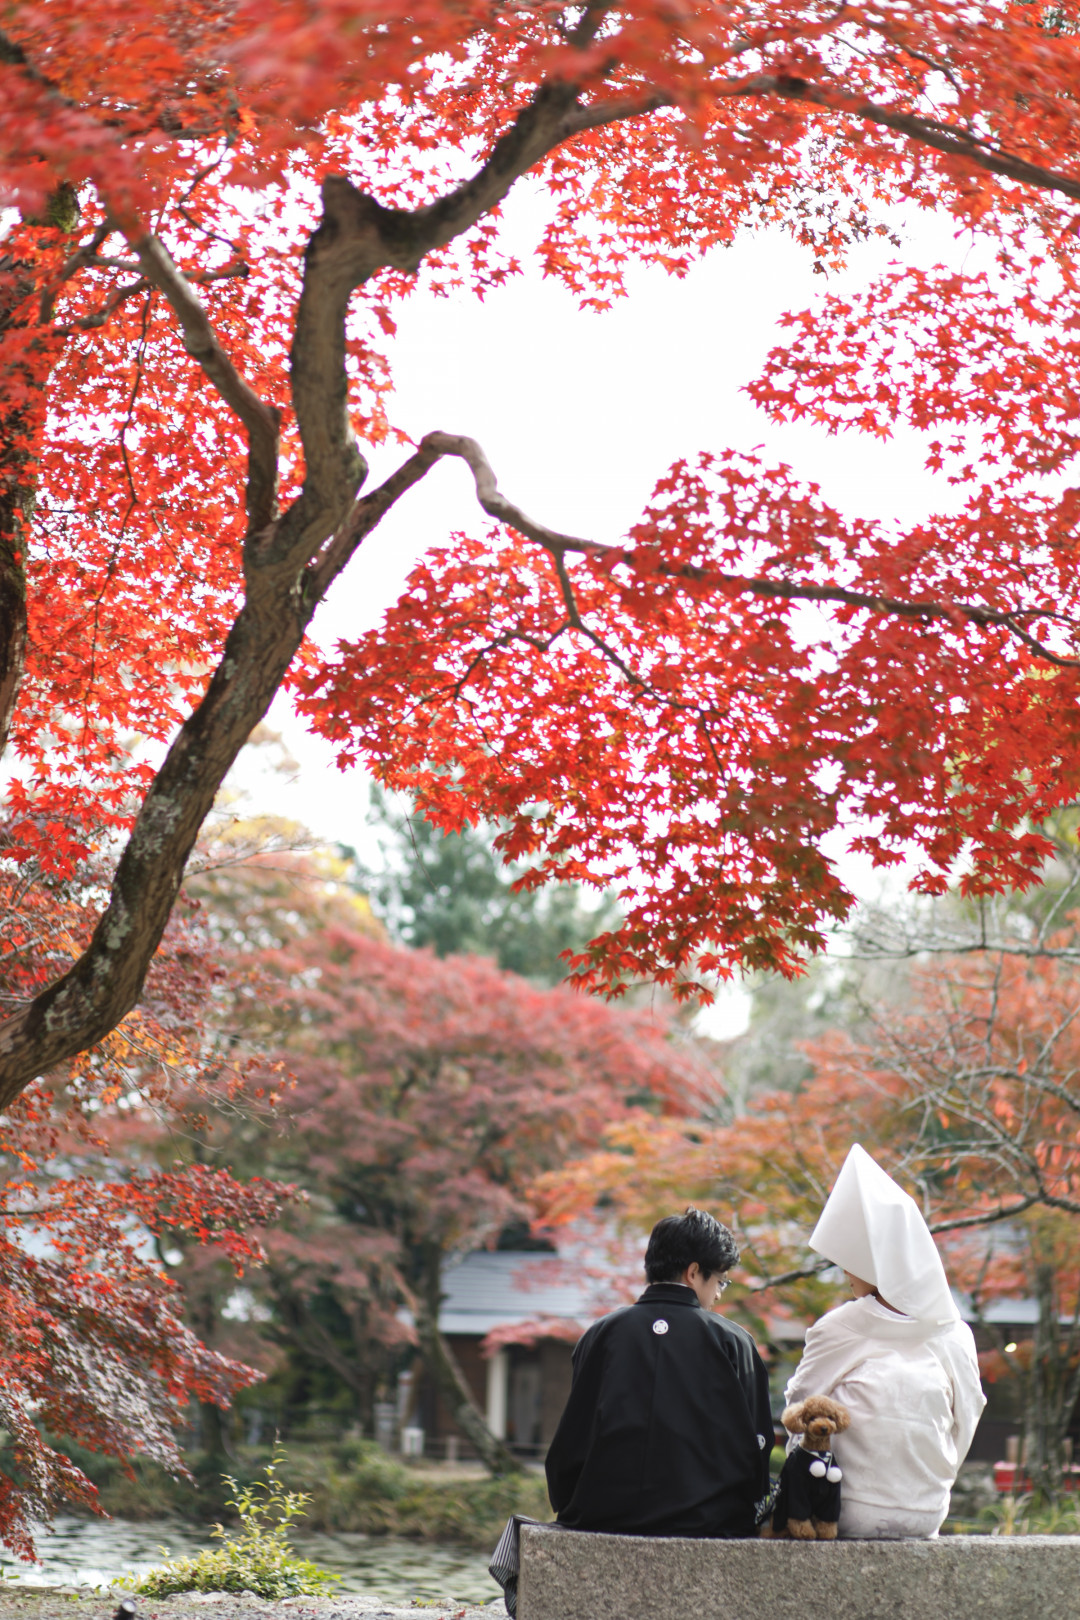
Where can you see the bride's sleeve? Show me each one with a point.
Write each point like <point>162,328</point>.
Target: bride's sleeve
<point>967,1392</point>
<point>828,1356</point>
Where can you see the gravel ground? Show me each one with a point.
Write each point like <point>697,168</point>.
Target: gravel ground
<point>59,1603</point>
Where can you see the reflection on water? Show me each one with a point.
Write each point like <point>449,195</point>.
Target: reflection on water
<point>93,1552</point>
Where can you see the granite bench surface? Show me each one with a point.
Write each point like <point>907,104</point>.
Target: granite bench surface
<point>571,1575</point>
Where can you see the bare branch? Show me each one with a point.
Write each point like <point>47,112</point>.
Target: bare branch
<point>596,114</point>
<point>1004,1212</point>
<point>495,503</point>
<point>811,1269</point>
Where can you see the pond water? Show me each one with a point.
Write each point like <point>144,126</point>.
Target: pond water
<point>93,1552</point>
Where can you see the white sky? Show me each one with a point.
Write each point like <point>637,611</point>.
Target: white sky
<point>580,414</point>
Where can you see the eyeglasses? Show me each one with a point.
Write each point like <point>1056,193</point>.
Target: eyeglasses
<point>722,1284</point>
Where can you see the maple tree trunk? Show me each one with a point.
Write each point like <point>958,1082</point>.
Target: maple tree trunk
<point>12,596</point>
<point>19,430</point>
<point>17,489</point>
<point>1053,1383</point>
<point>105,982</point>
<point>449,1379</point>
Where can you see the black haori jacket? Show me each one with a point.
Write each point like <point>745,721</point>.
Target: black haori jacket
<point>668,1427</point>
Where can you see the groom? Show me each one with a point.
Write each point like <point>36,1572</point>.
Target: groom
<point>668,1427</point>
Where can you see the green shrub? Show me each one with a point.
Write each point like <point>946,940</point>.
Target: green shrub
<point>256,1559</point>
<point>1023,1516</point>
<point>356,1486</point>
<point>370,1491</point>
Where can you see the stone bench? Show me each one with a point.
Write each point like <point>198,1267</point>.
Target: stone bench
<point>571,1575</point>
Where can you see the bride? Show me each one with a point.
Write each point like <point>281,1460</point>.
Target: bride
<point>897,1356</point>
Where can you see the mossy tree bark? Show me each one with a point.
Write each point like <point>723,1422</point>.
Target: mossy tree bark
<point>443,1367</point>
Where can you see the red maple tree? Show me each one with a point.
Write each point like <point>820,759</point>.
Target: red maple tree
<point>100,1348</point>
<point>96,1346</point>
<point>219,209</point>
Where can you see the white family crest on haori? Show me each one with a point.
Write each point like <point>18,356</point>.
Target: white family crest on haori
<point>659,1326</point>
<point>871,1227</point>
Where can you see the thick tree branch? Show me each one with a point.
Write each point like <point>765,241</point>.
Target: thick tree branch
<point>204,346</point>
<point>597,114</point>
<point>588,24</point>
<point>356,239</point>
<point>365,515</point>
<point>13,55</point>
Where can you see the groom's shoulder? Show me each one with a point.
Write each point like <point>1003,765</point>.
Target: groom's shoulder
<point>732,1332</point>
<point>605,1325</point>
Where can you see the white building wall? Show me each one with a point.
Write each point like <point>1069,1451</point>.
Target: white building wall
<point>498,1388</point>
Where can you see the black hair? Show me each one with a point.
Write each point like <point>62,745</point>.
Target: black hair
<point>678,1240</point>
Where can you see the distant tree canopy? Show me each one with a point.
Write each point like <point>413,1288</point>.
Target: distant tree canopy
<point>452,892</point>
<point>413,1099</point>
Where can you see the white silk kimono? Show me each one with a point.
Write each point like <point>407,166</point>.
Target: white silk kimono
<point>913,1392</point>
<point>908,1376</point>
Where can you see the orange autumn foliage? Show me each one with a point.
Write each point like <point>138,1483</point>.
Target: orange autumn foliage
<point>766,1173</point>
<point>968,1092</point>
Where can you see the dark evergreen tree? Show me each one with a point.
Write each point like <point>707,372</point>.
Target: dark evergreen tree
<point>452,893</point>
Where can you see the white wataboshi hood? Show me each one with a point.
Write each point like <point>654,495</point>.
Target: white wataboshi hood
<point>871,1227</point>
